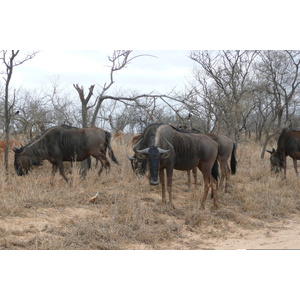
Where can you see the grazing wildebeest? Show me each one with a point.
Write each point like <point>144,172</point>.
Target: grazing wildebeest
<point>64,143</point>
<point>288,144</point>
<point>226,150</point>
<point>169,148</point>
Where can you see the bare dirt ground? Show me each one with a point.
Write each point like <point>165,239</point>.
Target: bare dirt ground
<point>23,233</point>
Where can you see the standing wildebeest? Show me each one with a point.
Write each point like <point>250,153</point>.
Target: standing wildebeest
<point>288,145</point>
<point>141,141</point>
<point>64,143</point>
<point>226,150</point>
<point>171,149</point>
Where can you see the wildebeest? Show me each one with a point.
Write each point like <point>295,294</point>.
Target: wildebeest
<point>141,141</point>
<point>64,143</point>
<point>168,148</point>
<point>288,144</point>
<point>226,150</point>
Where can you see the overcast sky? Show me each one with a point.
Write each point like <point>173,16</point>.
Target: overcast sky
<point>161,71</point>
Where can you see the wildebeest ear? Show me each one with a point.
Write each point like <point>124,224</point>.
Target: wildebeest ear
<point>271,152</point>
<point>140,155</point>
<point>16,150</point>
<point>164,153</point>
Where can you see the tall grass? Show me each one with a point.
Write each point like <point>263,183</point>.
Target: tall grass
<point>121,211</point>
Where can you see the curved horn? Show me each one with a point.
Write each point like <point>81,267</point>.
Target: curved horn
<point>162,151</point>
<point>130,158</point>
<point>133,147</point>
<point>271,152</point>
<point>144,151</point>
<point>17,150</point>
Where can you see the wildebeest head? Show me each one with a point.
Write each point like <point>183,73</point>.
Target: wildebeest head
<point>22,162</point>
<point>138,165</point>
<point>277,162</point>
<point>153,156</point>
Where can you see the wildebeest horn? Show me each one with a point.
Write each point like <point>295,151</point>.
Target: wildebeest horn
<point>271,152</point>
<point>133,147</point>
<point>162,151</point>
<point>144,151</point>
<point>130,158</point>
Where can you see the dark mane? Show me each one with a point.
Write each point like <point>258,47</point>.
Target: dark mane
<point>41,134</point>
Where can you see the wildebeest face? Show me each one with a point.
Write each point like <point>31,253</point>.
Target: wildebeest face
<point>153,155</point>
<point>276,161</point>
<point>138,165</point>
<point>22,163</point>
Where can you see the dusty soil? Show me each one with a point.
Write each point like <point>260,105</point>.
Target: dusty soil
<point>283,234</point>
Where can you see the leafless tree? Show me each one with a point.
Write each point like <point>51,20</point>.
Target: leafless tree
<point>10,61</point>
<point>119,60</point>
<point>225,81</point>
<point>278,74</point>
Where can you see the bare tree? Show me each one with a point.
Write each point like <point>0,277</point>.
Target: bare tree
<point>119,60</point>
<point>10,61</point>
<point>84,103</point>
<point>228,73</point>
<point>278,74</point>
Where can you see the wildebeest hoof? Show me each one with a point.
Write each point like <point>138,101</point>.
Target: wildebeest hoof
<point>214,208</point>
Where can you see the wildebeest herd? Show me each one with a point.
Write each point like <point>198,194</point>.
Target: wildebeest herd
<point>160,147</point>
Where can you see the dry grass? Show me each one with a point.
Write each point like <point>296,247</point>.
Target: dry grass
<point>121,211</point>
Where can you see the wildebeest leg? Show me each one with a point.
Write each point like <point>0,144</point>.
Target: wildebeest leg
<point>101,168</point>
<point>163,185</point>
<point>195,175</point>
<point>189,178</point>
<point>54,170</point>
<point>224,173</point>
<point>103,160</point>
<point>61,171</point>
<point>295,165</point>
<point>284,167</point>
<point>213,185</point>
<point>209,182</point>
<point>189,181</point>
<point>169,172</point>
<point>206,189</point>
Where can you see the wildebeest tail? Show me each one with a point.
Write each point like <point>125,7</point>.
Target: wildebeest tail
<point>233,161</point>
<point>215,170</point>
<point>110,150</point>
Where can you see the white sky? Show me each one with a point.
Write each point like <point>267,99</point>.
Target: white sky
<point>162,71</point>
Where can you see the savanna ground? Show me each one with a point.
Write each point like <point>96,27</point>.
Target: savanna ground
<point>122,211</point>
